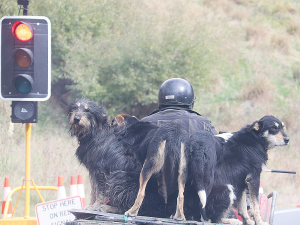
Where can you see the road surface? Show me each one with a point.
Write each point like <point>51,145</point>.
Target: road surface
<point>287,217</point>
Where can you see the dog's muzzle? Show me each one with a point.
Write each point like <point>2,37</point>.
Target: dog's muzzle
<point>76,119</point>
<point>286,140</point>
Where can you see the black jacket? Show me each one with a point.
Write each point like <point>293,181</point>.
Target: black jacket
<point>190,120</point>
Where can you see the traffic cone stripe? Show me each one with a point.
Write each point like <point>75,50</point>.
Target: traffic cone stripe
<point>6,191</point>
<point>79,179</point>
<point>80,189</point>
<point>73,186</point>
<point>9,212</point>
<point>60,182</point>
<point>7,182</point>
<point>61,191</point>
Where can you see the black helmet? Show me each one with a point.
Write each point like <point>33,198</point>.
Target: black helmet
<point>177,92</point>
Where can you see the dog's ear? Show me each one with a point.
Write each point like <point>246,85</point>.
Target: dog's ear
<point>254,126</point>
<point>119,121</point>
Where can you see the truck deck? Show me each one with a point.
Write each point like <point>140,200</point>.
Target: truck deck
<point>87,217</point>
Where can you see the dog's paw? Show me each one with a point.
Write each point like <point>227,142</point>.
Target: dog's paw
<point>89,207</point>
<point>261,223</point>
<point>177,217</point>
<point>231,221</point>
<point>109,209</point>
<point>249,222</point>
<point>129,213</point>
<point>236,222</point>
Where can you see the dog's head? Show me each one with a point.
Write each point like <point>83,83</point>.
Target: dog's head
<point>122,121</point>
<point>85,116</point>
<point>272,130</point>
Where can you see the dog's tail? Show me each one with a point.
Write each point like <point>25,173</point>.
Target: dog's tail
<point>202,166</point>
<point>122,189</point>
<point>198,174</point>
<point>202,198</point>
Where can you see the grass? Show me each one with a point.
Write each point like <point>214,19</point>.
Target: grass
<point>52,154</point>
<point>263,81</point>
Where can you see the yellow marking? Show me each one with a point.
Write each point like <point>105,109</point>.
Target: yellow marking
<point>159,159</point>
<point>279,137</point>
<point>256,126</point>
<point>276,124</point>
<point>179,215</point>
<point>255,204</point>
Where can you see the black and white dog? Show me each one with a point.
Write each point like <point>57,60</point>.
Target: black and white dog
<point>239,164</point>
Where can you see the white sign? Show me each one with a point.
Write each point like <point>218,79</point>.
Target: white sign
<point>57,212</point>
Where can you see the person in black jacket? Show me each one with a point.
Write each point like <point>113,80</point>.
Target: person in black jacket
<point>176,101</point>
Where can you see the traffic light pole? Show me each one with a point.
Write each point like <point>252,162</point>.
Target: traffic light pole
<point>27,171</point>
<point>25,4</point>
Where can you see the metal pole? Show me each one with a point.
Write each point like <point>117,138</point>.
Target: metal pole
<point>274,196</point>
<point>25,10</point>
<point>27,171</point>
<point>25,4</point>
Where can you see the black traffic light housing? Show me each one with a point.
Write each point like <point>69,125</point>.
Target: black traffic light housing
<point>24,112</point>
<point>25,57</point>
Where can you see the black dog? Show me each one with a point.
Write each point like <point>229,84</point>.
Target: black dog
<point>203,162</point>
<point>200,195</point>
<point>240,165</point>
<point>133,132</point>
<point>164,154</point>
<point>103,155</point>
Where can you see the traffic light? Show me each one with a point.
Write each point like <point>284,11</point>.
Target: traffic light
<point>25,58</point>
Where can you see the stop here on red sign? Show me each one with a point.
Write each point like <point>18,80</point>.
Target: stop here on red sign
<point>57,212</point>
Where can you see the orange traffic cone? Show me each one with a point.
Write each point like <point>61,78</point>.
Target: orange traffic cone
<point>5,193</point>
<point>61,191</point>
<point>73,186</point>
<point>80,189</point>
<point>264,205</point>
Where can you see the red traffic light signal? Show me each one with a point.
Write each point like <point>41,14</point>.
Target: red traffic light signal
<point>25,54</point>
<point>22,31</point>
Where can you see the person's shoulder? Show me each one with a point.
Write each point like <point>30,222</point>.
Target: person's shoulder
<point>197,116</point>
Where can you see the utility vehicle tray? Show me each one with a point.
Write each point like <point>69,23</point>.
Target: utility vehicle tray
<point>87,217</point>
